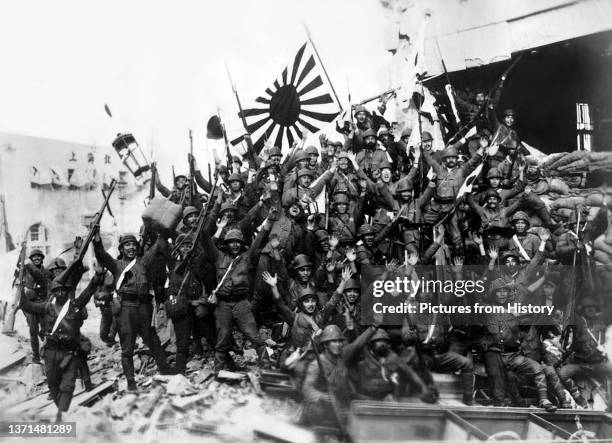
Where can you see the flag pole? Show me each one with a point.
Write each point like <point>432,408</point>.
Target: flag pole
<point>323,66</point>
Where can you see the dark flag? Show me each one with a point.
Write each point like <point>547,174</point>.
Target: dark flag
<point>298,100</point>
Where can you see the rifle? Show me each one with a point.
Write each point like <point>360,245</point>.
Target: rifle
<point>76,265</point>
<point>192,188</point>
<point>371,99</point>
<point>18,285</point>
<point>227,150</point>
<point>180,267</point>
<point>332,397</point>
<point>153,181</point>
<point>568,319</point>
<point>241,112</point>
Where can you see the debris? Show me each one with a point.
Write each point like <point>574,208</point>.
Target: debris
<point>254,379</point>
<point>151,401</point>
<point>181,403</point>
<point>179,385</point>
<point>231,376</point>
<point>285,432</point>
<point>12,360</point>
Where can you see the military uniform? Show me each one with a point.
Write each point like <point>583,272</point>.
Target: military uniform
<point>36,280</point>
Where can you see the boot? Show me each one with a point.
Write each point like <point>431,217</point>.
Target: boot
<point>546,404</point>
<point>181,362</point>
<point>131,386</point>
<point>467,381</point>
<point>128,370</point>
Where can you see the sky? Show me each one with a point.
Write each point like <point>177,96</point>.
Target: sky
<point>161,65</point>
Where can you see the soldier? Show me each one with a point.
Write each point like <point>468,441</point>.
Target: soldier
<point>190,216</point>
<point>328,384</point>
<point>36,282</point>
<point>233,265</point>
<point>449,178</point>
<point>504,339</point>
<point>523,242</point>
<point>371,155</point>
<point>587,356</point>
<point>132,293</point>
<point>342,223</point>
<point>62,323</point>
<point>108,321</point>
<point>56,267</point>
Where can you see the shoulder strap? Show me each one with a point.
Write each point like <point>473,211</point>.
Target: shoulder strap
<point>122,275</point>
<point>61,315</point>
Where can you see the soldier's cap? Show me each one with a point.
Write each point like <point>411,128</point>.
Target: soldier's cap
<point>331,333</point>
<point>509,254</point>
<point>508,112</point>
<point>234,234</point>
<point>321,235</point>
<point>404,185</point>
<point>236,159</point>
<point>370,133</point>
<point>176,177</point>
<point>305,172</point>
<point>190,210</point>
<point>312,150</point>
<point>307,292</point>
<point>498,284</point>
<point>342,155</point>
<point>127,238</point>
<point>520,215</point>
<point>426,137</point>
<point>351,283</point>
<point>228,206</point>
<point>57,263</point>
<point>235,177</point>
<point>36,252</point>
<point>56,284</point>
<point>385,164</point>
<point>301,155</point>
<point>360,108</point>
<point>365,229</point>
<point>301,261</point>
<point>380,334</point>
<point>341,199</point>
<point>492,193</point>
<point>494,173</point>
<point>449,152</point>
<point>275,151</point>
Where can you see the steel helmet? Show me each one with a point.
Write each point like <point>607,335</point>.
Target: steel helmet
<point>308,291</point>
<point>305,172</point>
<point>190,210</point>
<point>236,159</point>
<point>321,235</point>
<point>365,229</point>
<point>301,261</point>
<point>450,152</point>
<point>380,334</point>
<point>228,207</point>
<point>275,151</point>
<point>57,263</point>
<point>361,108</point>
<point>341,198</point>
<point>588,301</point>
<point>404,185</point>
<point>508,112</point>
<point>311,150</point>
<point>127,238</point>
<point>301,155</point>
<point>234,234</point>
<point>351,283</point>
<point>331,333</point>
<point>36,252</point>
<point>235,177</point>
<point>370,133</point>
<point>520,215</point>
<point>494,173</point>
<point>426,137</point>
<point>385,164</point>
<point>509,254</point>
<point>492,193</point>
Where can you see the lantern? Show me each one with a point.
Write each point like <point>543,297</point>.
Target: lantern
<point>131,154</point>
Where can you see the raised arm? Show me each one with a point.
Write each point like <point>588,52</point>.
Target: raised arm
<point>160,187</point>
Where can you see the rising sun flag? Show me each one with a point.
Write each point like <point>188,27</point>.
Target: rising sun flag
<point>297,101</point>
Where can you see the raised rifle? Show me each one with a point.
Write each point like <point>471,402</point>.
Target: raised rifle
<point>18,285</point>
<point>76,265</point>
<point>227,150</point>
<point>153,180</point>
<point>192,188</point>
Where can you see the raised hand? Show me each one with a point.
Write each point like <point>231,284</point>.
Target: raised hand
<point>346,274</point>
<point>222,222</point>
<point>274,242</point>
<point>310,222</point>
<point>493,252</point>
<point>323,140</point>
<point>391,266</point>
<point>413,258</point>
<point>351,255</point>
<point>477,239</point>
<point>269,279</point>
<point>333,242</point>
<point>330,266</point>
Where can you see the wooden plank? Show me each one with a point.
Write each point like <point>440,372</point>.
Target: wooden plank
<point>12,360</point>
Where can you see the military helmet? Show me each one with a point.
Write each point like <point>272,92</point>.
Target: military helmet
<point>450,152</point>
<point>228,206</point>
<point>370,133</point>
<point>235,177</point>
<point>36,252</point>
<point>380,334</point>
<point>365,229</point>
<point>520,215</point>
<point>331,333</point>
<point>511,253</point>
<point>311,150</point>
<point>494,173</point>
<point>321,235</point>
<point>508,112</point>
<point>404,185</point>
<point>127,238</point>
<point>307,292</point>
<point>190,210</point>
<point>360,108</point>
<point>222,169</point>
<point>236,159</point>
<point>301,261</point>
<point>498,284</point>
<point>57,263</point>
<point>234,234</point>
<point>426,137</point>
<point>275,151</point>
<point>341,198</point>
<point>351,283</point>
<point>305,172</point>
<point>176,177</point>
<point>301,155</point>
<point>342,154</point>
<point>492,193</point>
<point>56,284</point>
<point>385,164</point>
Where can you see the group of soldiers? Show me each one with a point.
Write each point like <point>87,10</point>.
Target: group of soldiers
<point>257,250</point>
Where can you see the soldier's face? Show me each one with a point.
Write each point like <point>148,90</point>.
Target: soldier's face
<point>484,141</point>
<point>343,164</point>
<point>385,175</point>
<point>492,202</point>
<point>520,226</point>
<point>37,260</point>
<point>61,295</point>
<point>511,262</point>
<point>304,274</point>
<point>352,295</point>
<point>129,250</point>
<point>313,159</point>
<point>509,120</point>
<point>341,208</point>
<point>406,196</point>
<point>276,159</point>
<point>229,215</point>
<point>185,247</point>
<point>235,186</point>
<point>335,346</point>
<point>305,181</point>
<point>180,182</point>
<point>325,245</point>
<point>294,210</point>
<point>450,162</point>
<point>309,305</point>
<point>381,347</point>
<point>548,290</point>
<point>368,240</point>
<point>385,139</point>
<point>234,246</point>
<point>427,145</point>
<point>480,98</point>
<point>590,312</point>
<point>370,141</point>
<point>361,117</point>
<point>190,219</point>
<point>302,163</point>
<point>494,182</point>
<point>57,271</point>
<point>501,296</point>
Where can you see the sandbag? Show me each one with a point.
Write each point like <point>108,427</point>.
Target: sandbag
<point>162,214</point>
